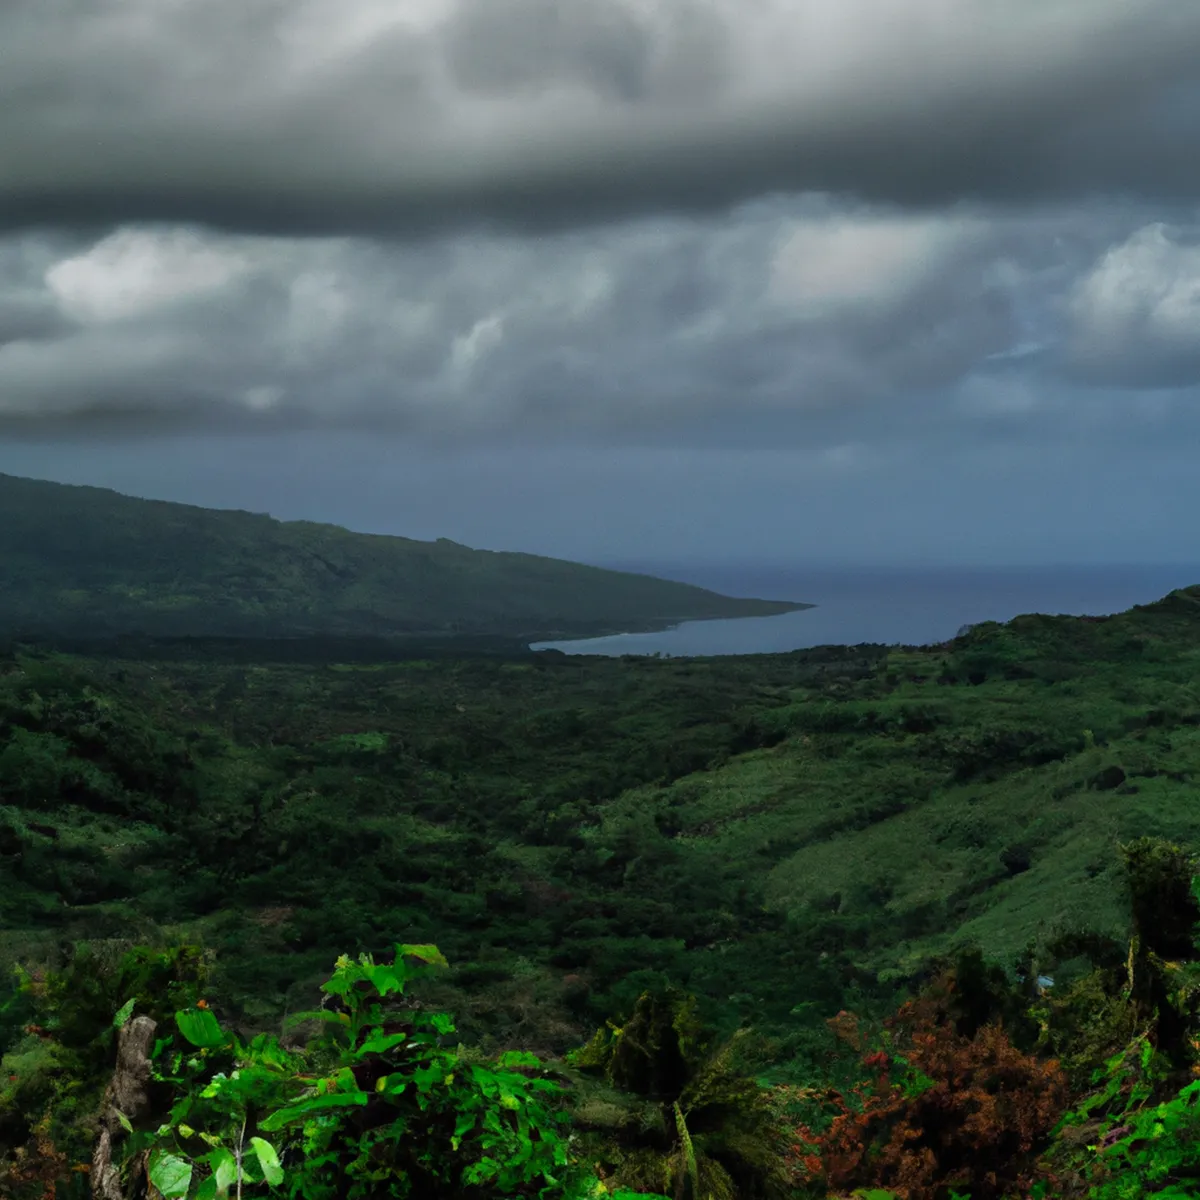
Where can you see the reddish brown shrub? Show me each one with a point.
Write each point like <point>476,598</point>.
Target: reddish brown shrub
<point>939,1110</point>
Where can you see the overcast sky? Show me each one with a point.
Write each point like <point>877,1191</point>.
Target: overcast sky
<point>820,280</point>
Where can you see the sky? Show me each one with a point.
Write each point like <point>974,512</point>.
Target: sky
<point>819,281</point>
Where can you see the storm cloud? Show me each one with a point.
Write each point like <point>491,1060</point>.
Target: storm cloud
<point>371,118</point>
<point>676,255</point>
<point>643,330</point>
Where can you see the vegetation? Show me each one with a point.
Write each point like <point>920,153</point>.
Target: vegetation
<point>947,1101</point>
<point>87,561</point>
<point>679,1114</point>
<point>377,1104</point>
<point>713,862</point>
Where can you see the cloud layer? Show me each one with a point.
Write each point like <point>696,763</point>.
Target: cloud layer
<point>662,328</point>
<point>873,250</point>
<point>344,117</point>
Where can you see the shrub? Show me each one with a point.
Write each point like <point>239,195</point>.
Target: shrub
<point>939,1109</point>
<point>377,1106</point>
<point>676,1110</point>
<point>55,1076</point>
<point>378,1103</point>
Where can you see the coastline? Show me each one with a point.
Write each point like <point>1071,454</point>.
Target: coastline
<point>542,643</point>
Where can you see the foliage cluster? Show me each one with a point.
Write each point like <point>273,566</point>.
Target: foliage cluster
<point>285,811</point>
<point>941,1108</point>
<point>955,1096</point>
<point>958,1091</point>
<point>378,1103</point>
<point>679,1113</point>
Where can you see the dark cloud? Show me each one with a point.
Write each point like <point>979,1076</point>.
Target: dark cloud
<point>873,239</point>
<point>502,47</point>
<point>28,320</point>
<point>656,330</point>
<point>370,118</point>
<point>667,323</point>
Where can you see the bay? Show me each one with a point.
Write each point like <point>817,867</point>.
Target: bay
<point>889,605</point>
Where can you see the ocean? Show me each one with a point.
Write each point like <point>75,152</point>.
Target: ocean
<point>894,605</point>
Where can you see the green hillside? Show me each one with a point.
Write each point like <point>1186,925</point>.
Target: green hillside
<point>781,836</point>
<point>817,823</point>
<point>89,561</point>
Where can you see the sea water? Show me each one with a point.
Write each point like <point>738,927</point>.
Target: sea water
<point>893,605</point>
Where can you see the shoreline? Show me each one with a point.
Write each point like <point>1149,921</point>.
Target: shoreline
<point>543,644</point>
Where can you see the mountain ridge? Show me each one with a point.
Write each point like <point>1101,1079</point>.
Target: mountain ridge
<point>81,559</point>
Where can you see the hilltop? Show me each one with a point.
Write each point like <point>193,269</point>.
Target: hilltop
<point>89,561</point>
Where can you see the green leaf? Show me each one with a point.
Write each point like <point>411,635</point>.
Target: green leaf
<point>123,1013</point>
<point>224,1169</point>
<point>160,1044</point>
<point>200,1028</point>
<point>268,1160</point>
<point>518,1058</point>
<point>384,978</point>
<point>124,1121</point>
<point>425,953</point>
<point>317,1014</point>
<point>486,1168</point>
<point>426,1077</point>
<point>171,1175</point>
<point>267,1051</point>
<point>381,1045</point>
<point>305,1108</point>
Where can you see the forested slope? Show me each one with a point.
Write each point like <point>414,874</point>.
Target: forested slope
<point>996,827</point>
<point>89,561</point>
<point>818,822</point>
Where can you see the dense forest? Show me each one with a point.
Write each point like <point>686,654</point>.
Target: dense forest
<point>375,921</point>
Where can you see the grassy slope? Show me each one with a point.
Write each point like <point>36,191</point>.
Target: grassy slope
<point>771,830</point>
<point>91,560</point>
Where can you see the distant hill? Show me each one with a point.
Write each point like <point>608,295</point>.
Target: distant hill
<point>89,561</point>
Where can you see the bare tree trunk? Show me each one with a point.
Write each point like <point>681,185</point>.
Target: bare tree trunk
<point>125,1094</point>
